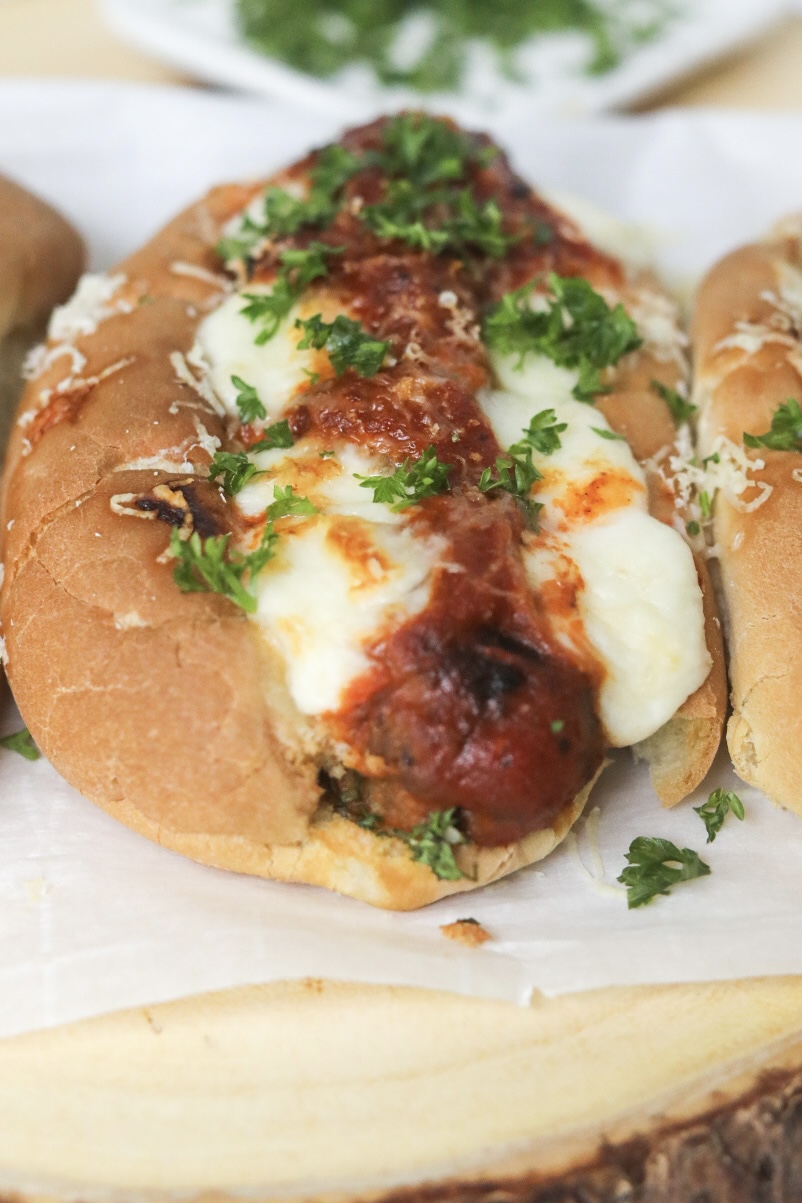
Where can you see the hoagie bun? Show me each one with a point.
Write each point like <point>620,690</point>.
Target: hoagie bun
<point>337,524</point>
<point>41,257</point>
<point>747,330</point>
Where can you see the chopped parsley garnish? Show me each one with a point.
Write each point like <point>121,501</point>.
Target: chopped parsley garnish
<point>410,483</point>
<point>433,841</point>
<point>557,726</point>
<point>346,343</point>
<point>284,214</point>
<point>681,409</point>
<point>715,810</point>
<point>208,566</point>
<point>286,504</point>
<point>608,434</point>
<point>324,37</point>
<point>298,269</point>
<point>22,743</point>
<point>515,473</point>
<point>544,431</point>
<point>327,455</point>
<point>438,220</point>
<point>333,168</point>
<point>577,329</point>
<point>426,150</point>
<point>235,468</point>
<point>423,205</point>
<point>277,435</point>
<point>247,401</point>
<point>655,866</point>
<point>693,528</point>
<point>786,429</point>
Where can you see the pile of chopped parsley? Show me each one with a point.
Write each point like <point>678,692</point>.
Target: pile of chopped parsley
<point>424,45</point>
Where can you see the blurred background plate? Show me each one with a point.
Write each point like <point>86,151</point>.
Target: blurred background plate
<point>202,37</point>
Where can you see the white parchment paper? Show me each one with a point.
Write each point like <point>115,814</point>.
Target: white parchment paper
<point>94,918</point>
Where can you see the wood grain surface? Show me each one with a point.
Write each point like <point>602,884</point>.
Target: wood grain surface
<point>676,1093</point>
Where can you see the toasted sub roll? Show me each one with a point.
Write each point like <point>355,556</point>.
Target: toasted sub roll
<point>323,564</point>
<point>746,335</point>
<point>41,257</point>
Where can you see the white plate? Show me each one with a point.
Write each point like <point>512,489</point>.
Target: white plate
<point>200,37</point>
<point>93,917</point>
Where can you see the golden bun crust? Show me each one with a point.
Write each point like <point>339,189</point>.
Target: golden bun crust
<point>745,303</point>
<point>41,257</point>
<point>152,685</point>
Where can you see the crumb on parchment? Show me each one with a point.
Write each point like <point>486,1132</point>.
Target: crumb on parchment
<point>466,931</point>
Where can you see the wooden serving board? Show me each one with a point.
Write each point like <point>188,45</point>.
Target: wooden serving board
<point>675,1094</point>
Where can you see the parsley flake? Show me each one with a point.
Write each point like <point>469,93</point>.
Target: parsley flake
<point>22,743</point>
<point>286,504</point>
<point>284,214</point>
<point>333,168</point>
<point>247,401</point>
<point>427,150</point>
<point>432,843</point>
<point>298,268</point>
<point>438,220</point>
<point>786,429</point>
<point>693,528</point>
<point>235,468</point>
<point>208,566</point>
<point>515,473</point>
<point>544,431</point>
<point>577,329</point>
<point>277,435</point>
<point>410,483</point>
<point>681,409</point>
<point>346,343</point>
<point>423,205</point>
<point>608,434</point>
<point>655,866</point>
<point>715,810</point>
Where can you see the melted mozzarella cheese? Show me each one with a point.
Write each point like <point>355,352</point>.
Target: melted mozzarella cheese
<point>276,369</point>
<point>342,577</point>
<point>630,241</point>
<point>631,580</point>
<point>583,455</point>
<point>641,610</point>
<point>330,483</point>
<point>336,584</point>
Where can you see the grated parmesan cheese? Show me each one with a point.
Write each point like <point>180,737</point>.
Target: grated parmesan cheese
<point>657,319</point>
<point>207,442</point>
<point>89,306</point>
<point>182,366</point>
<point>195,272</point>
